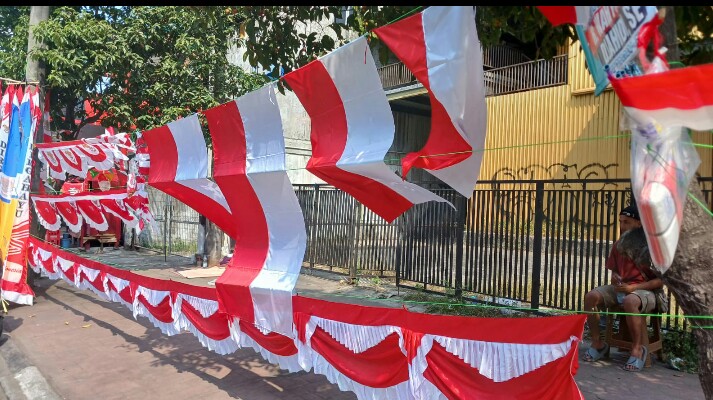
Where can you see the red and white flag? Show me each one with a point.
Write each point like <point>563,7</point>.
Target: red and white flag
<point>89,208</point>
<point>179,167</point>
<point>352,130</point>
<point>679,97</point>
<point>441,48</point>
<point>249,156</point>
<point>558,15</point>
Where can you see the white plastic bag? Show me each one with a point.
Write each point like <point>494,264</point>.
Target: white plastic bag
<point>663,162</point>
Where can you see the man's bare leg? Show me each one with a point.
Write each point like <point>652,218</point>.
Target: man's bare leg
<point>632,305</point>
<point>592,301</point>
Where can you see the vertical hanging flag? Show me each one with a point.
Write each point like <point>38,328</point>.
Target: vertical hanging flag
<point>17,144</point>
<point>5,112</point>
<point>440,46</point>
<point>11,123</point>
<point>6,212</point>
<point>352,130</point>
<point>179,167</point>
<point>249,154</point>
<point>14,277</point>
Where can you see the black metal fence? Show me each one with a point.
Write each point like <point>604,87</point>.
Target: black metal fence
<point>176,229</point>
<point>529,243</point>
<point>526,243</point>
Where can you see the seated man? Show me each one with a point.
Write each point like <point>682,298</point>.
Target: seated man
<point>632,286</point>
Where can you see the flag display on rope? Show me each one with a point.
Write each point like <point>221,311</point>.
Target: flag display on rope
<point>376,352</point>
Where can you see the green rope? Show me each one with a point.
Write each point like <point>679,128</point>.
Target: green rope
<point>700,203</point>
<point>520,146</point>
<point>405,15</point>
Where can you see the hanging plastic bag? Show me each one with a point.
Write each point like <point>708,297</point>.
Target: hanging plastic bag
<point>663,162</point>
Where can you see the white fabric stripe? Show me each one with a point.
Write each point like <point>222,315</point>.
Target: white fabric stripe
<point>118,283</point>
<point>91,197</point>
<point>271,289</point>
<point>381,173</point>
<point>310,359</point>
<point>699,119</point>
<point>207,187</point>
<point>455,73</point>
<point>204,306</point>
<point>369,120</point>
<point>89,272</point>
<point>497,361</point>
<point>192,150</point>
<point>44,254</point>
<point>153,297</point>
<point>357,338</point>
<point>289,363</point>
<point>264,140</point>
<point>222,347</point>
<point>17,298</point>
<point>63,264</point>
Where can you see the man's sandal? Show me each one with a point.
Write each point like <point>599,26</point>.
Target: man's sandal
<point>634,364</point>
<point>593,354</point>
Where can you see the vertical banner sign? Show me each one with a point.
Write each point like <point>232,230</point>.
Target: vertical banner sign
<point>10,114</point>
<point>14,275</point>
<point>609,40</point>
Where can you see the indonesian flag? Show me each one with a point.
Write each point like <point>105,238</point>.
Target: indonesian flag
<point>86,207</point>
<point>558,15</point>
<point>249,155</point>
<point>179,167</point>
<point>679,97</point>
<point>352,130</point>
<point>440,46</point>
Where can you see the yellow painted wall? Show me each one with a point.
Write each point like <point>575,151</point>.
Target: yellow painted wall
<point>570,112</point>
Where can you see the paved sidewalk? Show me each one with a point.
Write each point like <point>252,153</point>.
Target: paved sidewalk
<point>88,348</point>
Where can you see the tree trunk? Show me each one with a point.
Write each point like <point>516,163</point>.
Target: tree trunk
<point>213,243</point>
<point>35,72</point>
<point>690,279</point>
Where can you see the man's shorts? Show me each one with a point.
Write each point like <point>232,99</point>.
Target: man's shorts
<point>648,298</point>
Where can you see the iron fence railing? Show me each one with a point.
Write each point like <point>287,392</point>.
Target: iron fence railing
<point>537,244</point>
<point>520,77</point>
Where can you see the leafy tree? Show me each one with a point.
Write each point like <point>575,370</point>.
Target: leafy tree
<point>138,67</point>
<point>276,36</point>
<point>13,41</point>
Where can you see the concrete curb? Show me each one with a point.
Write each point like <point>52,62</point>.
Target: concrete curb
<point>20,380</point>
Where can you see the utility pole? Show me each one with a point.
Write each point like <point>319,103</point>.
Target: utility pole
<point>35,72</point>
<point>34,69</point>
